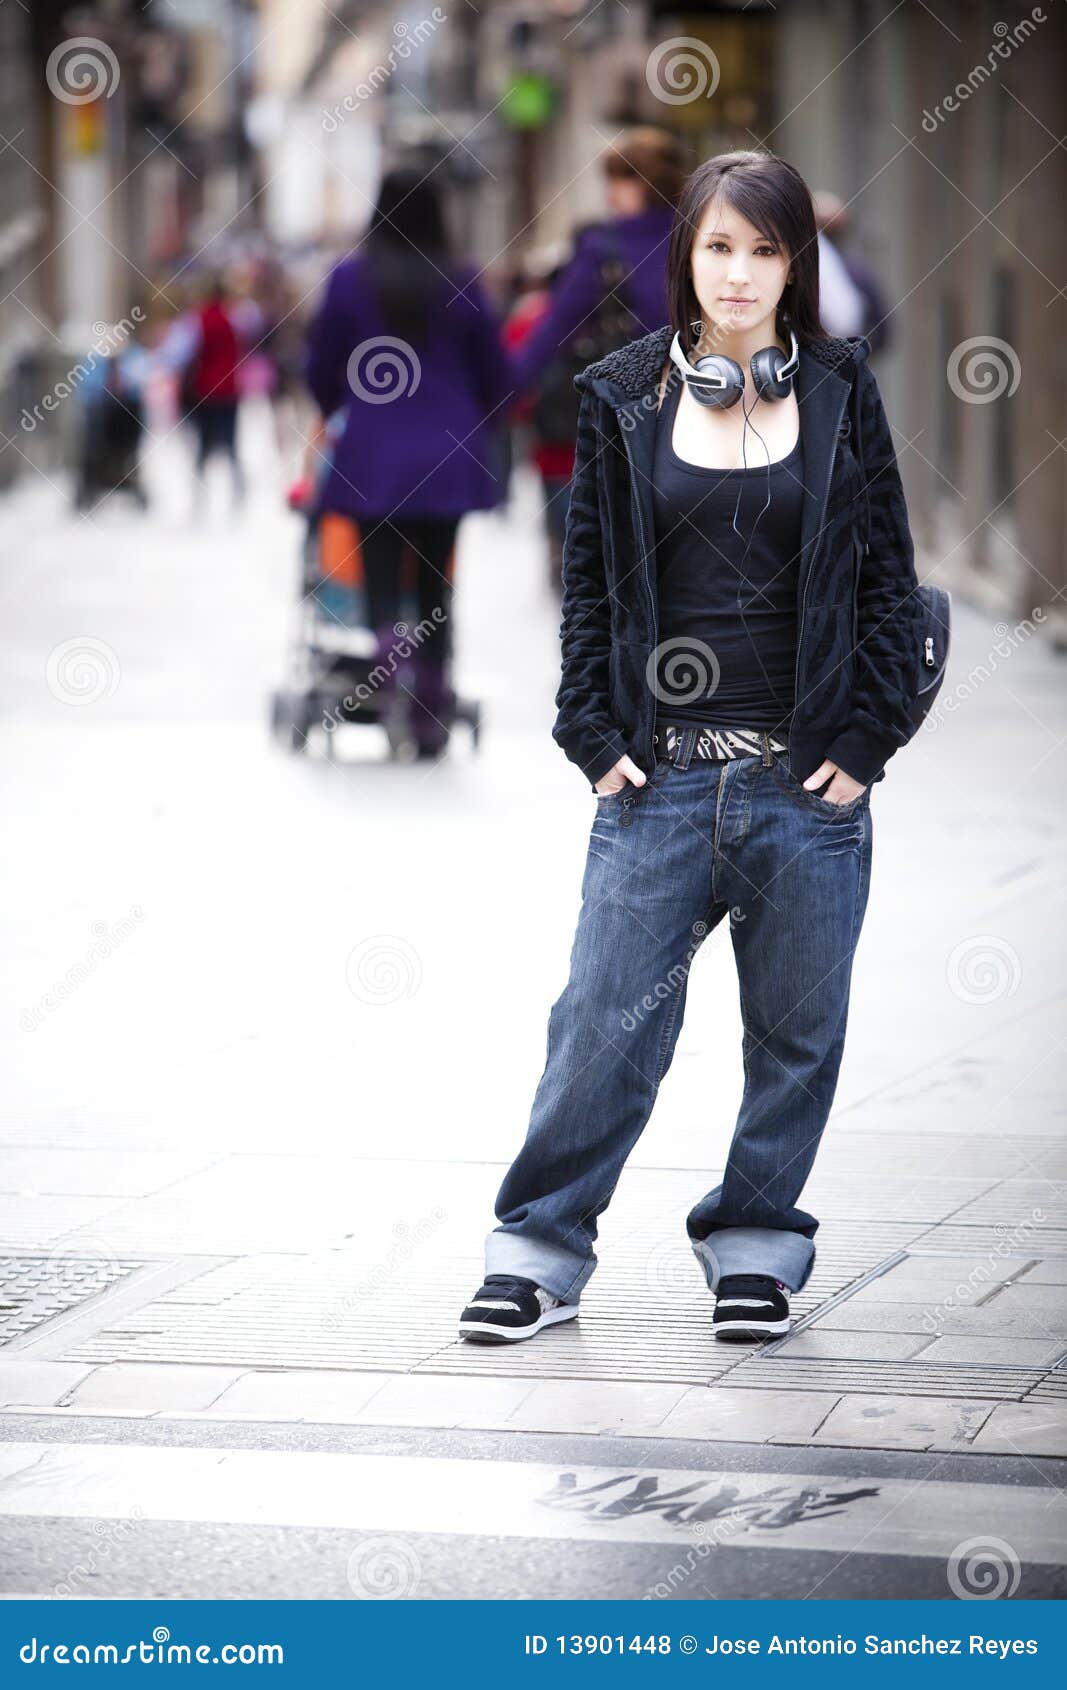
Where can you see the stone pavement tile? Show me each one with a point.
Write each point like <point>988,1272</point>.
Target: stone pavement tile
<point>96,1173</point>
<point>751,1417</point>
<point>132,1387</point>
<point>1051,1271</point>
<point>38,1384</point>
<point>896,1287</point>
<point>311,1394</point>
<point>1048,1301</point>
<point>606,1405</point>
<point>1001,1351</point>
<point>891,1422</point>
<point>975,1270</point>
<point>856,1346</point>
<point>441,1399</point>
<point>987,1323</point>
<point>875,1317</point>
<point>1024,1428</point>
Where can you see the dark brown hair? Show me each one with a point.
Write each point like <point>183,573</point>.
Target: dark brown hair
<point>776,200</point>
<point>652,156</point>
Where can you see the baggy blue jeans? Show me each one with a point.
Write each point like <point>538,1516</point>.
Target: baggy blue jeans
<point>666,862</point>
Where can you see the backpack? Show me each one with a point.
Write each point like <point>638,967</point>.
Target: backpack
<point>610,325</point>
<point>936,602</point>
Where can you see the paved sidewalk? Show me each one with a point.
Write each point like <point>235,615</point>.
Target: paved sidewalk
<point>277,1025</point>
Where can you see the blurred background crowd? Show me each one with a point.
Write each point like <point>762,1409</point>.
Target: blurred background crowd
<point>315,209</point>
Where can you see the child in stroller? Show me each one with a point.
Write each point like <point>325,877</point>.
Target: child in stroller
<point>344,670</point>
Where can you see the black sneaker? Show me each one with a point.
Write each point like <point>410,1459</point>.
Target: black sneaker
<point>506,1309</point>
<point>751,1305</point>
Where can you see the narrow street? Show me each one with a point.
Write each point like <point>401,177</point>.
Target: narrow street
<point>274,1025</point>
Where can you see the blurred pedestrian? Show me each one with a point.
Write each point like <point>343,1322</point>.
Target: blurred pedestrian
<point>407,345</point>
<point>209,348</point>
<point>553,459</point>
<point>833,220</point>
<point>611,290</point>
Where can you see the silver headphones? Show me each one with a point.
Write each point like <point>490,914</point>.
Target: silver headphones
<point>719,381</point>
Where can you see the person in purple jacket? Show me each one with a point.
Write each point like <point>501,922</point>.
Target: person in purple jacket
<point>407,345</point>
<point>644,170</point>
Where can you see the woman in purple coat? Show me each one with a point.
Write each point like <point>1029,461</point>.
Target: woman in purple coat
<point>407,345</point>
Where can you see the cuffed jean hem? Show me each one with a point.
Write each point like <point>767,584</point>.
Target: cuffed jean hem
<point>787,1256</point>
<point>560,1271</point>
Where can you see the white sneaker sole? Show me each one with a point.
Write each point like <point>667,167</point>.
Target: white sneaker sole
<point>750,1328</point>
<point>484,1332</point>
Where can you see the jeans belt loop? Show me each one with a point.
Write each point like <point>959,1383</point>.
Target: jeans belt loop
<point>686,747</point>
<point>765,741</point>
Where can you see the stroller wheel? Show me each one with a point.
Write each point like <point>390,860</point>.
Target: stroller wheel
<point>289,720</point>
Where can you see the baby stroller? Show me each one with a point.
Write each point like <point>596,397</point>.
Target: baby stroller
<point>112,429</point>
<point>337,675</point>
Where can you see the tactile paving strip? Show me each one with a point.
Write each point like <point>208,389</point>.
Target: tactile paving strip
<point>646,1314</point>
<point>34,1289</point>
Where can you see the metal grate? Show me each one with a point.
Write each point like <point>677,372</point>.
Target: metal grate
<point>34,1289</point>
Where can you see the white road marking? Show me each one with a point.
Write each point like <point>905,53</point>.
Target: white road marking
<point>555,1500</point>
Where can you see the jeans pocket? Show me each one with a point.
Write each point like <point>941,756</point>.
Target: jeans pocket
<point>821,806</point>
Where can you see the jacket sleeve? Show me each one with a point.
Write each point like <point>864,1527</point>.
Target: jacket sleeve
<point>585,728</point>
<point>573,300</point>
<point>889,611</point>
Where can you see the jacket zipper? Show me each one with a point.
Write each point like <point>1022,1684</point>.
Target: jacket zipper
<point>815,552</point>
<point>635,508</point>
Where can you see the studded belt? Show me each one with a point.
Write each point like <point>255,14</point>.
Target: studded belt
<point>679,743</point>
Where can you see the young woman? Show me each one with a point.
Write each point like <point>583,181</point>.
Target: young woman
<point>738,667</point>
<point>407,344</point>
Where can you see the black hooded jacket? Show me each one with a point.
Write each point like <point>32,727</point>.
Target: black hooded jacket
<point>860,621</point>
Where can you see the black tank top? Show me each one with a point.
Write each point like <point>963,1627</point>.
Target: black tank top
<point>727,638</point>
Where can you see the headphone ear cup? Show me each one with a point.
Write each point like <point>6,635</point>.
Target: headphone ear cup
<point>765,365</point>
<point>727,370</point>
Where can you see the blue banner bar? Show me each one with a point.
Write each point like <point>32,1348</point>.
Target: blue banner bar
<point>501,1644</point>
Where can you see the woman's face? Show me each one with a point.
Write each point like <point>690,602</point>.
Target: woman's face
<point>738,274</point>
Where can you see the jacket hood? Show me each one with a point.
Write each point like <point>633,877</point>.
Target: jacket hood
<point>636,367</point>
